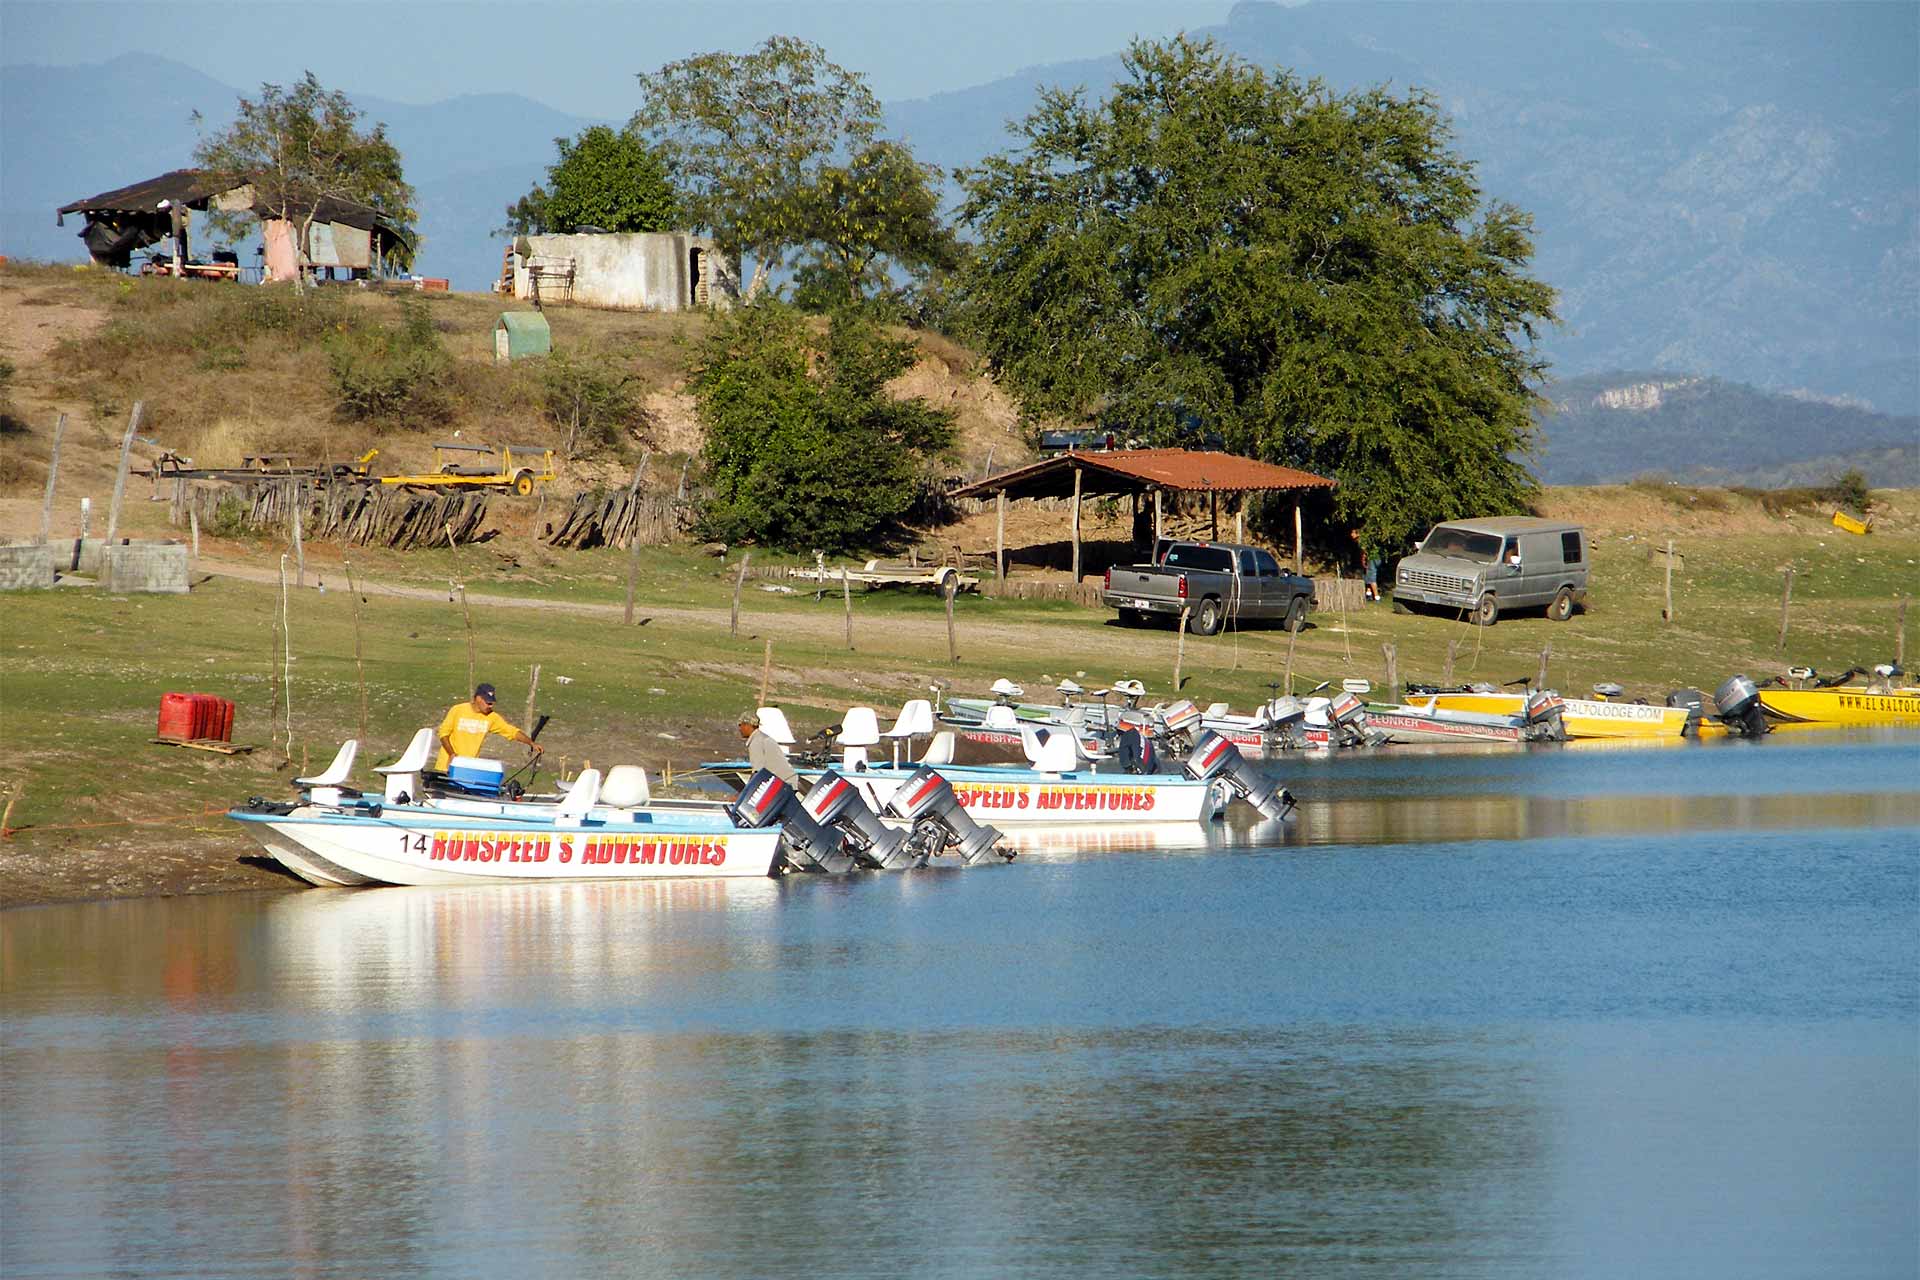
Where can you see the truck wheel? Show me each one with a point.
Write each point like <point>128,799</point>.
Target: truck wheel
<point>1562,607</point>
<point>523,484</point>
<point>1487,612</point>
<point>1296,615</point>
<point>1206,619</point>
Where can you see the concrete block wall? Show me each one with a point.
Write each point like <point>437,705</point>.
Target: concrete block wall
<point>146,566</point>
<point>26,567</point>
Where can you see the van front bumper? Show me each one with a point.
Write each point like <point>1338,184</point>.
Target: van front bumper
<point>1427,595</point>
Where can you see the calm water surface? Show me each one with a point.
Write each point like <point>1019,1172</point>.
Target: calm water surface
<point>1555,1013</point>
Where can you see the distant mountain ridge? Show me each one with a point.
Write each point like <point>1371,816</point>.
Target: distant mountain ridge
<point>1608,428</point>
<point>1727,190</point>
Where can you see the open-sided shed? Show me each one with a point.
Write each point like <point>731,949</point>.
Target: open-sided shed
<point>1108,473</point>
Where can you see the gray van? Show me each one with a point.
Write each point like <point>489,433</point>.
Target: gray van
<point>1495,565</point>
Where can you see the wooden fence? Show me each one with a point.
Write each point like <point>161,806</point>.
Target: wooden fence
<point>357,513</point>
<point>616,518</point>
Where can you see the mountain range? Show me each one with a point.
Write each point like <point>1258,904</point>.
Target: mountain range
<point>1729,191</point>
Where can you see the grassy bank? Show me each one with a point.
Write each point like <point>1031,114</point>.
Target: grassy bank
<point>84,671</point>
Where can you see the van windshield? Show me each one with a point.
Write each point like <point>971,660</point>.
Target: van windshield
<point>1443,541</point>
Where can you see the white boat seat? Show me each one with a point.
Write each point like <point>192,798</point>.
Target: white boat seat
<point>1006,688</point>
<point>1060,753</point>
<point>860,727</point>
<point>325,787</point>
<point>1217,709</point>
<point>581,797</point>
<point>915,719</point>
<point>773,723</point>
<point>337,772</point>
<point>626,787</point>
<point>1002,717</point>
<point>940,750</point>
<point>403,775</point>
<point>1356,685</point>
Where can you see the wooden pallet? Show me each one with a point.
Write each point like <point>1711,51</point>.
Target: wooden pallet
<point>204,744</point>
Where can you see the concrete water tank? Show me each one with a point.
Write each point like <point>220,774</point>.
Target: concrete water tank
<point>519,334</point>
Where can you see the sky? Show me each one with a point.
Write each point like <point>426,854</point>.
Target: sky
<point>581,58</point>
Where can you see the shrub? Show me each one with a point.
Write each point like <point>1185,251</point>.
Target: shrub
<point>391,372</point>
<point>1848,490</point>
<point>230,518</point>
<point>592,401</point>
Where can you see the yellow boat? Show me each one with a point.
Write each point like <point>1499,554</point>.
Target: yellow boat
<point>1583,717</point>
<point>1809,700</point>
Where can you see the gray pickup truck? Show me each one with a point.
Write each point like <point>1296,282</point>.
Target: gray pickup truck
<point>1212,581</point>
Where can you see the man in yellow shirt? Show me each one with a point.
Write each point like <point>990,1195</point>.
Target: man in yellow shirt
<point>467,725</point>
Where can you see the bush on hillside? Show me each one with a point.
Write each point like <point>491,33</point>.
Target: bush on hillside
<point>396,373</point>
<point>593,401</point>
<point>805,449</point>
<point>1848,490</point>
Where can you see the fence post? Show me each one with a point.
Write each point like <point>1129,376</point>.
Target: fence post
<point>953,650</point>
<point>120,477</point>
<point>733,624</point>
<point>53,472</point>
<point>1786,599</point>
<point>1393,670</point>
<point>1900,636</point>
<point>846,597</point>
<point>633,538</point>
<point>359,667</point>
<point>1546,654</point>
<point>1180,647</point>
<point>1668,615</point>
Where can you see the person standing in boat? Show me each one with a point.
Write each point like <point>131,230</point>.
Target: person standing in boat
<point>764,753</point>
<point>466,726</point>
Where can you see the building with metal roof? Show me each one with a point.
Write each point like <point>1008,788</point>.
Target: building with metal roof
<point>1108,473</point>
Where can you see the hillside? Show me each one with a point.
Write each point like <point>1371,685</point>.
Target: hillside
<point>1614,427</point>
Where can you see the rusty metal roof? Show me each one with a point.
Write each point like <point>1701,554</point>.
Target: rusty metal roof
<point>1142,470</point>
<point>179,186</point>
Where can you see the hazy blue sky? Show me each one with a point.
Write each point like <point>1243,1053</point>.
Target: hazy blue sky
<point>581,57</point>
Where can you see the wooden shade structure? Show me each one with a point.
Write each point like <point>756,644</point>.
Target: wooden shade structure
<point>1108,473</point>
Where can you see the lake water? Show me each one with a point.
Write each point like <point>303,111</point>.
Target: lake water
<point>1562,1012</point>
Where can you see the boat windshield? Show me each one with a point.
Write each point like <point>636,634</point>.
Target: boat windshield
<point>1462,544</point>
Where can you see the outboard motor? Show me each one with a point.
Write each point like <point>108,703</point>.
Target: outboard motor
<point>766,801</point>
<point>836,802</point>
<point>1214,757</point>
<point>1182,720</point>
<point>927,799</point>
<point>1695,702</point>
<point>1546,712</point>
<point>1286,724</point>
<point>1738,701</point>
<point>1347,719</point>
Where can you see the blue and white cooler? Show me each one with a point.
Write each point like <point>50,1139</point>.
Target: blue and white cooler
<point>477,775</point>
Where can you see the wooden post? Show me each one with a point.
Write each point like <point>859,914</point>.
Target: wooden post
<point>633,537</point>
<point>1346,633</point>
<point>468,614</point>
<point>1213,513</point>
<point>1000,536</point>
<point>179,501</point>
<point>1446,672</point>
<point>533,691</point>
<point>1546,655</point>
<point>53,473</point>
<point>1292,636</point>
<point>1296,538</point>
<point>120,477</point>
<point>6,818</point>
<point>1179,646</point>
<point>733,624</point>
<point>193,522</point>
<point>766,673</point>
<point>680,494</point>
<point>359,666</point>
<point>299,549</point>
<point>1786,599</point>
<point>953,649</point>
<point>1240,520</point>
<point>1393,670</point>
<point>846,599</point>
<point>1157,520</point>
<point>1900,636</point>
<point>1076,525</point>
<point>1668,615</point>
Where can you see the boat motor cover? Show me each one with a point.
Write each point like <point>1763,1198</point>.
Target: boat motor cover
<point>476,774</point>
<point>767,801</point>
<point>1215,757</point>
<point>836,802</point>
<point>927,795</point>
<point>1181,716</point>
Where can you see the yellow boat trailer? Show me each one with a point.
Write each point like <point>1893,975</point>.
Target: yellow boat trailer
<point>483,466</point>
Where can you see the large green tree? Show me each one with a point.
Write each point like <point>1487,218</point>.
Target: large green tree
<point>805,449</point>
<point>1316,275</point>
<point>603,178</point>
<point>301,146</point>
<point>775,149</point>
<point>866,219</point>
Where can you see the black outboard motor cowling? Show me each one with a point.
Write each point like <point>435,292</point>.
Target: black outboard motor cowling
<point>926,797</point>
<point>836,802</point>
<point>766,801</point>
<point>1214,757</point>
<point>1696,704</point>
<point>1738,701</point>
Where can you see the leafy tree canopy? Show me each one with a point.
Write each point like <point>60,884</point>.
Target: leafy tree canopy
<point>1313,274</point>
<point>604,178</point>
<point>865,218</point>
<point>304,145</point>
<point>805,449</point>
<point>776,149</point>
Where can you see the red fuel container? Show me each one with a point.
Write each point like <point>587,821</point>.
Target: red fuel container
<point>177,715</point>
